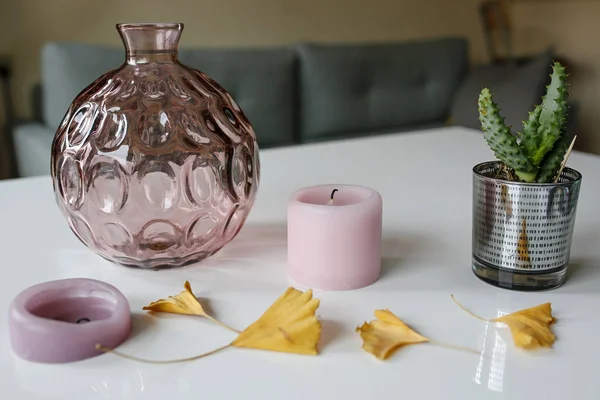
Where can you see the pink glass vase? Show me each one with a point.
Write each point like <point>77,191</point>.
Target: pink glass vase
<point>154,164</point>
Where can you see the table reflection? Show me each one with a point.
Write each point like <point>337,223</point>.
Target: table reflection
<point>492,360</point>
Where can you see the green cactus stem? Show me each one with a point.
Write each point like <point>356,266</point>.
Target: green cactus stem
<point>546,124</point>
<point>536,153</point>
<point>552,161</point>
<point>528,137</point>
<point>501,141</point>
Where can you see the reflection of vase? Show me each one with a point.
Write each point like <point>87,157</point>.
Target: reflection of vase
<point>154,165</point>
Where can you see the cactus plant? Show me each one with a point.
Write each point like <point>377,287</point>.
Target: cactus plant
<point>535,154</point>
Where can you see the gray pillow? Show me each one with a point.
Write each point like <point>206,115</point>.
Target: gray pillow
<point>516,90</point>
<point>373,87</point>
<point>261,81</point>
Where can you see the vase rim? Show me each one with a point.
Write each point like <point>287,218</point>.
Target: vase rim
<point>150,42</point>
<point>146,25</point>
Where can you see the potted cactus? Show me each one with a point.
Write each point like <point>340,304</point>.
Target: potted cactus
<point>524,202</point>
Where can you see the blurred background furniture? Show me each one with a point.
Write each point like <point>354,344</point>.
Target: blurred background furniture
<point>7,158</point>
<point>306,92</point>
<point>495,19</point>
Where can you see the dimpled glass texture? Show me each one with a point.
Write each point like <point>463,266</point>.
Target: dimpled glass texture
<point>154,165</point>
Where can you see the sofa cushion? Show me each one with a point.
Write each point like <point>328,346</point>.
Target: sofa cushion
<point>515,88</point>
<point>262,82</point>
<point>377,86</point>
<point>67,69</point>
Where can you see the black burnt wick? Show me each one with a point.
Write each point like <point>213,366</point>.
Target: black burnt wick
<point>82,320</point>
<point>333,192</point>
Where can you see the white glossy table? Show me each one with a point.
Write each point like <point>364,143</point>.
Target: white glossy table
<point>425,181</point>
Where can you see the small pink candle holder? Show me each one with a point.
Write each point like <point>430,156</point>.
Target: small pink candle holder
<point>62,321</point>
<point>334,237</point>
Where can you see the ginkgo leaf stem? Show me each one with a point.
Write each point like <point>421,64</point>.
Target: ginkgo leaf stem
<point>221,324</point>
<point>454,347</point>
<point>122,355</point>
<point>469,312</point>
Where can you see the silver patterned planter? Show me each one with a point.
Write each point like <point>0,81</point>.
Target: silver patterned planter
<point>522,232</point>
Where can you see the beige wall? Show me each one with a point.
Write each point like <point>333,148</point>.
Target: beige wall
<point>572,26</point>
<point>7,24</point>
<point>235,23</point>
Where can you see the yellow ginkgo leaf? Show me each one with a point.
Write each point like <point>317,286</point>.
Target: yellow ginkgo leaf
<point>185,303</point>
<point>288,326</point>
<point>381,337</point>
<point>530,328</point>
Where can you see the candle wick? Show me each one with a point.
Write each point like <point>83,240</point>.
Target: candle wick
<point>333,192</point>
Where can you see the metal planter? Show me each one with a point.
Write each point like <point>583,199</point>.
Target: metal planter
<point>522,232</point>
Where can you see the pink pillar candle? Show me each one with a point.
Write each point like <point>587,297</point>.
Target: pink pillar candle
<point>334,244</point>
<point>62,321</point>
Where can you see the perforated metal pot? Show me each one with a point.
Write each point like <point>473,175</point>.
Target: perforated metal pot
<point>522,232</point>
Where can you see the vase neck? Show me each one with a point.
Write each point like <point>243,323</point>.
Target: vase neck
<point>150,43</point>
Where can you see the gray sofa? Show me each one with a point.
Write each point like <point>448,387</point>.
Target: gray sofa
<point>299,94</point>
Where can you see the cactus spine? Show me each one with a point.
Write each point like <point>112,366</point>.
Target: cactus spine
<point>535,154</point>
